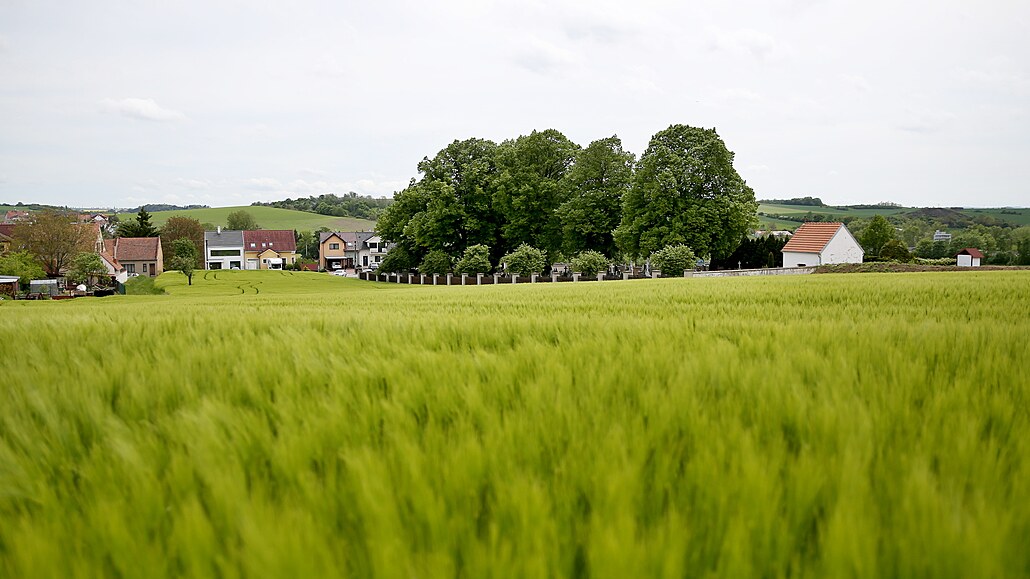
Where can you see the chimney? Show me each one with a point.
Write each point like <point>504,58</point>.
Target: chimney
<point>219,230</point>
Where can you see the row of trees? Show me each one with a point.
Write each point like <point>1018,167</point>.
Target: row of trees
<point>348,205</point>
<point>546,192</point>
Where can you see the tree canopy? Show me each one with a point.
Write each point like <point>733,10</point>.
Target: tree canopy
<point>686,191</point>
<point>54,237</point>
<point>139,227</point>
<point>179,227</point>
<point>241,220</point>
<point>596,182</point>
<point>544,191</point>
<point>184,257</point>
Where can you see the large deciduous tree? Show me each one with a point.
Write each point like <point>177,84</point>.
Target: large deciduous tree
<point>54,238</point>
<point>449,208</point>
<point>686,191</point>
<point>179,227</point>
<point>596,182</point>
<point>530,187</point>
<point>876,235</point>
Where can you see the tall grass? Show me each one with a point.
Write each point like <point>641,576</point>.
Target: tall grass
<point>264,424</point>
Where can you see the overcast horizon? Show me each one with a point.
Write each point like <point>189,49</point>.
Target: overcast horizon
<point>115,103</point>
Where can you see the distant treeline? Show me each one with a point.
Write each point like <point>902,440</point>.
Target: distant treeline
<point>349,205</point>
<point>807,201</point>
<point>165,207</point>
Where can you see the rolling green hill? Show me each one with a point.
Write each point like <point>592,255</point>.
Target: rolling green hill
<point>266,217</point>
<point>1016,217</point>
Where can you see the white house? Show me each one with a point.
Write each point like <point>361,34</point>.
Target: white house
<point>969,257</point>
<point>821,244</point>
<point>223,249</point>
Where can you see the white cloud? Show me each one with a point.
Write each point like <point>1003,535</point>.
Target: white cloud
<point>4,43</point>
<point>143,109</point>
<point>746,42</point>
<point>262,184</point>
<point>924,120</point>
<point>192,183</point>
<point>543,57</point>
<point>857,82</point>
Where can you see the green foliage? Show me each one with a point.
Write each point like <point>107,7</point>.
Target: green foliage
<point>525,260</point>
<point>596,182</point>
<point>54,238</point>
<point>450,208</point>
<point>184,257</point>
<point>397,260</point>
<point>531,186</point>
<point>476,259</point>
<point>895,250</point>
<point>21,264</point>
<point>735,427</point>
<point>590,262</point>
<point>673,260</point>
<point>686,191</point>
<point>179,227</point>
<point>436,261</point>
<point>241,221</point>
<point>349,205</point>
<point>86,268</point>
<point>876,235</point>
<point>139,227</point>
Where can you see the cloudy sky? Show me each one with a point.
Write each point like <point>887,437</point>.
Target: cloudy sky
<point>119,102</point>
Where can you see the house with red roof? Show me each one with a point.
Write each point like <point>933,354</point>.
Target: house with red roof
<point>821,244</point>
<point>969,257</point>
<point>138,255</point>
<point>269,248</point>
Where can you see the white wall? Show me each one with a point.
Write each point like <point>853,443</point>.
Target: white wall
<point>225,260</point>
<point>842,248</point>
<point>968,261</point>
<point>795,259</point>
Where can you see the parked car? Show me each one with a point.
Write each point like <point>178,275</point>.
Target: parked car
<point>339,272</point>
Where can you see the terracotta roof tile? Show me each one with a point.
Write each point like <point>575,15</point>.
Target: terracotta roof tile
<point>136,248</point>
<point>972,252</point>
<point>277,239</point>
<point>812,237</point>
<point>7,230</point>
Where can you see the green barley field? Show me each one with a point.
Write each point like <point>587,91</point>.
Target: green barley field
<point>271,424</point>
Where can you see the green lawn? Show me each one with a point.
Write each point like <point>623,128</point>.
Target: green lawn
<point>266,217</point>
<point>282,424</point>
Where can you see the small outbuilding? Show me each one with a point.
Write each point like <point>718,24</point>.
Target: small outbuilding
<point>969,257</point>
<point>817,243</point>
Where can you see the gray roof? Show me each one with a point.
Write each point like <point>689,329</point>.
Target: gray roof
<point>226,238</point>
<point>359,237</point>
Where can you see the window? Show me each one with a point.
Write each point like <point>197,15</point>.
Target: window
<point>234,265</point>
<point>144,268</point>
<point>225,253</point>
<point>270,244</point>
<point>130,267</point>
<point>334,246</point>
<point>214,265</point>
<point>252,244</point>
<point>379,258</point>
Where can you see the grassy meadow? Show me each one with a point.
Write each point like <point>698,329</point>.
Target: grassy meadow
<point>281,424</point>
<point>266,217</point>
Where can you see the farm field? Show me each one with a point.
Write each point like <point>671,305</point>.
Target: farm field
<point>266,217</point>
<point>281,424</point>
